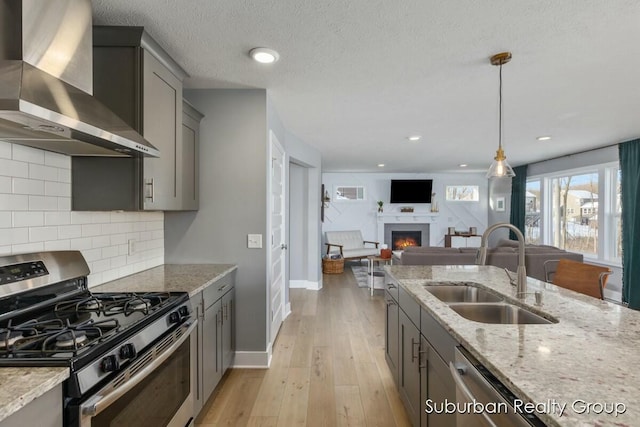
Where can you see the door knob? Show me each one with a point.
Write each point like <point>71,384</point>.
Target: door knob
<point>283,246</point>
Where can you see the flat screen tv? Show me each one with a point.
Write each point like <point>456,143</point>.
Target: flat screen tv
<point>411,191</point>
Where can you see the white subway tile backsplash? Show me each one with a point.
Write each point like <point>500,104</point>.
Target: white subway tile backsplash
<point>14,236</point>
<point>64,204</point>
<point>57,245</point>
<point>81,243</point>
<point>57,189</point>
<point>5,184</point>
<point>110,252</point>
<point>57,160</point>
<point>43,203</point>
<point>43,234</point>
<point>28,186</point>
<point>5,220</point>
<point>64,175</point>
<point>5,150</point>
<point>100,241</point>
<point>28,219</point>
<point>14,202</point>
<point>70,232</point>
<point>46,173</point>
<point>57,218</point>
<point>28,154</point>
<point>27,247</point>
<point>35,215</point>
<point>81,217</point>
<point>14,169</point>
<point>89,230</point>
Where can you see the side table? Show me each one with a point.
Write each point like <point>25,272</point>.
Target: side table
<point>371,260</point>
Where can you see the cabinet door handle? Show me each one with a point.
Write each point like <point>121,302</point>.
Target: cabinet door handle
<point>224,312</point>
<point>222,288</point>
<point>149,192</point>
<point>391,302</point>
<point>219,314</point>
<point>414,343</point>
<point>391,286</point>
<point>420,353</point>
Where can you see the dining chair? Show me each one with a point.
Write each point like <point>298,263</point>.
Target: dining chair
<point>587,279</point>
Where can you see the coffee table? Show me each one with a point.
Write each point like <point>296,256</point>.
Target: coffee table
<point>371,260</point>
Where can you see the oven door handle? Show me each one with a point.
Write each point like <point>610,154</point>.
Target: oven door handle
<point>99,402</point>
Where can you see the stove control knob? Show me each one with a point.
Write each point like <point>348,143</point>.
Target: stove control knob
<point>184,311</point>
<point>110,363</point>
<point>174,317</point>
<point>128,351</point>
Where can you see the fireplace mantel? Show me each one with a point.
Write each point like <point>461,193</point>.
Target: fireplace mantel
<point>404,217</point>
<point>407,218</point>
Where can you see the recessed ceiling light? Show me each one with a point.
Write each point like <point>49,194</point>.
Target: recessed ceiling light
<point>264,55</point>
<point>414,138</point>
<point>463,165</point>
<point>543,138</point>
<point>380,165</point>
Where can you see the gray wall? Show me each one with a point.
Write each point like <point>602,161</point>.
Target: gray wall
<point>233,203</point>
<point>298,222</point>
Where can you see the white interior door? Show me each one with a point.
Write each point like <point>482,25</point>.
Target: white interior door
<point>278,244</point>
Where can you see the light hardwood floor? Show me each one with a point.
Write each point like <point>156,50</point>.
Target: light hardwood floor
<point>328,367</point>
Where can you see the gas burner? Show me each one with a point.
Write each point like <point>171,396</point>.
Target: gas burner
<point>84,304</point>
<point>71,339</point>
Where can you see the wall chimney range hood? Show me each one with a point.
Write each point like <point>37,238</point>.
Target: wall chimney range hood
<point>46,83</point>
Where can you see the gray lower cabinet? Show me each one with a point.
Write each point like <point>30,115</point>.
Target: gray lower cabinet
<point>45,411</point>
<point>409,373</point>
<point>418,350</point>
<point>215,343</point>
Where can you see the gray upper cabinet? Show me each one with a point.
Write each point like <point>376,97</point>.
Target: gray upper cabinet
<point>140,82</point>
<point>190,156</point>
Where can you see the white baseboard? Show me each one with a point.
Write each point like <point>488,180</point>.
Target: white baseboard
<point>252,359</point>
<point>305,284</point>
<point>287,310</point>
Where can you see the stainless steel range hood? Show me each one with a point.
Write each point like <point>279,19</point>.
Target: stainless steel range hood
<point>46,83</point>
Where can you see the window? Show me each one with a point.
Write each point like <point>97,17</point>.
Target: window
<point>578,210</point>
<point>346,193</point>
<point>462,193</point>
<point>532,212</point>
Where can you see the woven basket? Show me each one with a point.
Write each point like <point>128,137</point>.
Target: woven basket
<point>332,266</point>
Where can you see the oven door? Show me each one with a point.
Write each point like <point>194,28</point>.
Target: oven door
<point>155,390</point>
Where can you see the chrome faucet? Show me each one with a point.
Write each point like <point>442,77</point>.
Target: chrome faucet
<point>481,257</point>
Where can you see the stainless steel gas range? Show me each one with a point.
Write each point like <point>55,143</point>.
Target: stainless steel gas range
<point>128,353</point>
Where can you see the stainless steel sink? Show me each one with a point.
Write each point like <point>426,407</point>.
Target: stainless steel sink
<point>462,293</point>
<point>498,313</point>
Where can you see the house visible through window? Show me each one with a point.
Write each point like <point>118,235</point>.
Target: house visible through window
<point>578,211</point>
<point>462,193</point>
<point>345,193</point>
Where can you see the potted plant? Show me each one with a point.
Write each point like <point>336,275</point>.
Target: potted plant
<point>380,203</point>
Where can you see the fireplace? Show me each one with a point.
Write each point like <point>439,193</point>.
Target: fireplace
<point>419,232</point>
<point>402,239</point>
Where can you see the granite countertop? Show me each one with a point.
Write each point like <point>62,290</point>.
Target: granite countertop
<point>21,386</point>
<point>191,278</point>
<point>591,355</point>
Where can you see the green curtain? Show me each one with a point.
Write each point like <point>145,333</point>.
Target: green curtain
<point>629,153</point>
<point>518,199</point>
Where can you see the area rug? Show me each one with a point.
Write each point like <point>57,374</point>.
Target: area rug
<point>360,273</point>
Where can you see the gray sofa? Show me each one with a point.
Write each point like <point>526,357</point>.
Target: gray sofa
<point>504,255</point>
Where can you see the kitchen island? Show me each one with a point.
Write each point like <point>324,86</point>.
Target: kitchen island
<point>589,357</point>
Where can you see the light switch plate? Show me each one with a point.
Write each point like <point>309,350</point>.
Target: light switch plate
<point>254,241</point>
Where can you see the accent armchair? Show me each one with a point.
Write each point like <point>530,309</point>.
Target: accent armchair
<point>350,244</point>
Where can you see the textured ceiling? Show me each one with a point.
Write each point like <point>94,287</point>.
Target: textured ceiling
<point>356,77</point>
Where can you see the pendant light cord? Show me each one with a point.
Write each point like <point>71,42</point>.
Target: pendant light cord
<point>500,111</point>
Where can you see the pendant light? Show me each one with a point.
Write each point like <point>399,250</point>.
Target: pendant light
<point>500,168</point>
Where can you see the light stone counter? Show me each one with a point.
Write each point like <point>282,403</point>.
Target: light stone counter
<point>191,278</point>
<point>592,354</point>
<point>21,386</point>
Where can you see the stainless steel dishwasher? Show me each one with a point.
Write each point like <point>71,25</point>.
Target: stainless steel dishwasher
<point>482,400</point>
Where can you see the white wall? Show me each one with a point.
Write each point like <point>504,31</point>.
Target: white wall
<point>298,222</point>
<point>35,215</point>
<point>356,215</point>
